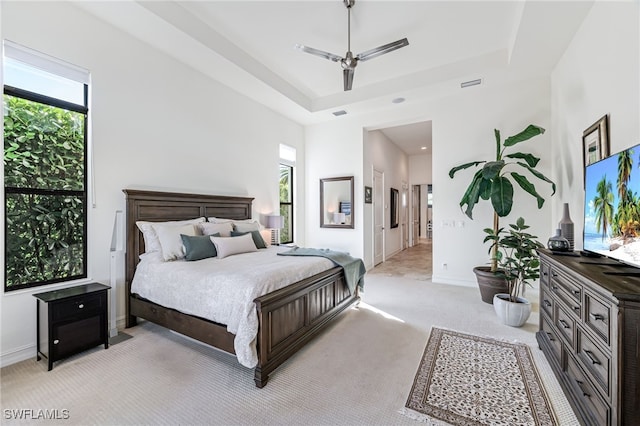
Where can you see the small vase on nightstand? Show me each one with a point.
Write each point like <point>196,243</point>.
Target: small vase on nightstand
<point>566,226</point>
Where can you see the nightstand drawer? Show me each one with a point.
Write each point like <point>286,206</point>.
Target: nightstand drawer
<point>82,305</point>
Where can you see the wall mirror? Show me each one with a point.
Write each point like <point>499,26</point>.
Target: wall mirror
<point>336,202</point>
<point>395,207</point>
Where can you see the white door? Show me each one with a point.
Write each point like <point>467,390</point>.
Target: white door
<point>378,217</point>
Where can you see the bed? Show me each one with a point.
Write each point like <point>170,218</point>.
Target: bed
<point>287,318</point>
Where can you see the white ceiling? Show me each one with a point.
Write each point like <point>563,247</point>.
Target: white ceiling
<point>249,46</point>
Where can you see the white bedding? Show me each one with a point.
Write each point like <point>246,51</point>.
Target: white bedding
<point>223,290</point>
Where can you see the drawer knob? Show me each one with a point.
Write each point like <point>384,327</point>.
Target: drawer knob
<point>551,339</point>
<point>576,292</point>
<point>554,287</point>
<point>576,308</point>
<point>554,275</point>
<point>55,342</point>
<point>597,317</point>
<point>591,357</point>
<point>547,303</point>
<point>564,323</point>
<point>80,306</point>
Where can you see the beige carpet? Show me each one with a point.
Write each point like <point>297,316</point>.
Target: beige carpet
<point>359,372</point>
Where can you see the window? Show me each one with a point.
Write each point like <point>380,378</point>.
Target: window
<point>45,169</point>
<point>287,158</point>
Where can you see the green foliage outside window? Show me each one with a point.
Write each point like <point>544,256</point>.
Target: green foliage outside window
<point>45,198</point>
<point>286,203</point>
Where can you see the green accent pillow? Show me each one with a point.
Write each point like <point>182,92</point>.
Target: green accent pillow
<point>257,238</point>
<point>199,246</point>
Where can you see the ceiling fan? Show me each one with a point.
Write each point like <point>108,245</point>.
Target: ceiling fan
<point>349,62</point>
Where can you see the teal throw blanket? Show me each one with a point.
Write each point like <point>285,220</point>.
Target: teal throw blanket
<point>354,269</point>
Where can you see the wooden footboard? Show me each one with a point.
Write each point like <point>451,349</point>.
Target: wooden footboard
<point>293,315</point>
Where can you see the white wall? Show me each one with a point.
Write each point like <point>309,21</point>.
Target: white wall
<point>383,155</point>
<point>462,131</point>
<point>598,75</point>
<point>156,124</point>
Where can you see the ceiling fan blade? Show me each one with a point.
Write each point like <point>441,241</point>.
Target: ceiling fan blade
<point>381,50</point>
<point>348,78</point>
<point>317,52</point>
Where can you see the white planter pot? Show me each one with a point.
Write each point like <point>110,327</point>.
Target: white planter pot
<point>514,314</point>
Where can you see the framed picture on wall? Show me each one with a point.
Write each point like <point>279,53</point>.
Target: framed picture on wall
<point>368,195</point>
<point>595,141</point>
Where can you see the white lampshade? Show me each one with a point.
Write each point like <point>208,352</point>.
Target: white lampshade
<point>339,217</point>
<point>275,222</point>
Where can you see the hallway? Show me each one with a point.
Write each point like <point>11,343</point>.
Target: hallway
<point>415,262</point>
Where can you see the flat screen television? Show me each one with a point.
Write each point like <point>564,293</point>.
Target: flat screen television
<point>612,207</point>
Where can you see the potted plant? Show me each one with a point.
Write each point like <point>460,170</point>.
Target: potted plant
<point>493,182</point>
<point>519,264</point>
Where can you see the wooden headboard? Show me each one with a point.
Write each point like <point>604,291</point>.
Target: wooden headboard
<point>155,206</point>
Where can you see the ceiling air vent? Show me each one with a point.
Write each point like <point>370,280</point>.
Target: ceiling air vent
<point>470,83</point>
<point>339,113</point>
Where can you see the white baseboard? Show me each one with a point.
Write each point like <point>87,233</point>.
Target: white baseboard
<point>17,355</point>
<point>29,351</point>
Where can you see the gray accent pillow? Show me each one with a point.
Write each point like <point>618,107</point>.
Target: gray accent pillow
<point>198,247</point>
<point>257,238</point>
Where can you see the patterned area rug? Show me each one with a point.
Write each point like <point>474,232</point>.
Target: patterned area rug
<point>469,380</point>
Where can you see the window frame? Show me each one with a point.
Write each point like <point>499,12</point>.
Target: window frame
<point>83,194</point>
<point>288,203</point>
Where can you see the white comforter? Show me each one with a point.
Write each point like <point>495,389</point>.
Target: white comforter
<point>223,290</point>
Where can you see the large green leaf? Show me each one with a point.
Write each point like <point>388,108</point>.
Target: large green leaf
<point>464,166</point>
<point>531,159</point>
<point>472,194</point>
<point>492,169</point>
<point>502,196</point>
<point>528,187</point>
<point>485,189</point>
<point>496,132</point>
<point>540,176</point>
<point>526,134</point>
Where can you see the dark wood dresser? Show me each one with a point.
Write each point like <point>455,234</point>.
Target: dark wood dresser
<point>71,320</point>
<point>590,334</point>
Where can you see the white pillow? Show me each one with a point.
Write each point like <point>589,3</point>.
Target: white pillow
<point>170,240</point>
<point>246,226</point>
<point>224,229</point>
<point>151,241</point>
<point>234,245</point>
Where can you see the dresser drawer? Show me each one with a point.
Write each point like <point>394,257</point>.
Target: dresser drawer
<point>546,303</point>
<point>595,361</point>
<point>565,325</point>
<point>570,287</point>
<point>75,307</point>
<point>545,272</point>
<point>554,340</point>
<point>598,317</point>
<point>587,395</point>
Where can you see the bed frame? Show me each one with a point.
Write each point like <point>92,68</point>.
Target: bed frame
<point>288,317</point>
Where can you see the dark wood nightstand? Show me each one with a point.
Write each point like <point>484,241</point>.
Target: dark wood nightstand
<point>75,319</point>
